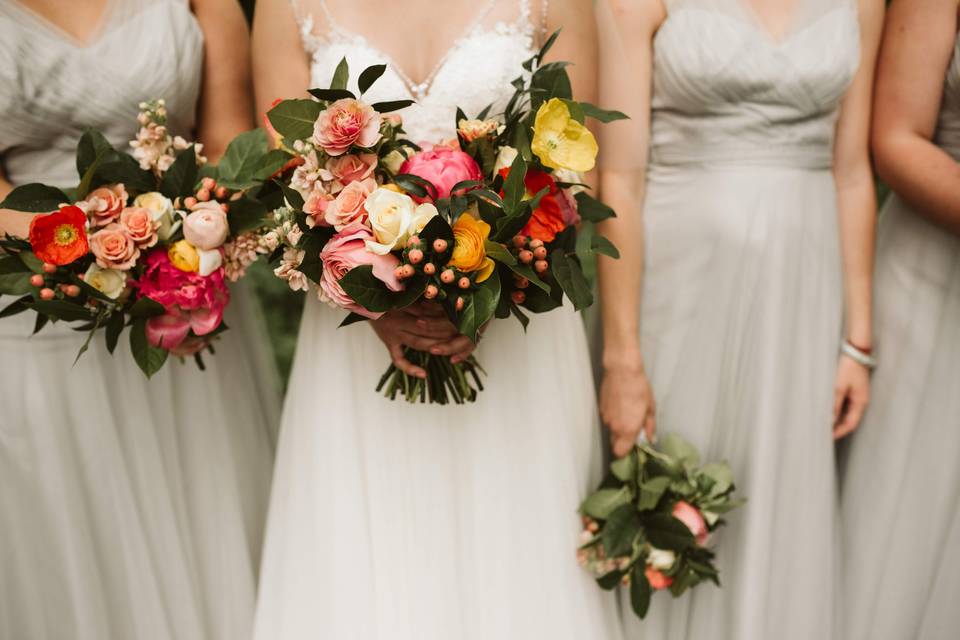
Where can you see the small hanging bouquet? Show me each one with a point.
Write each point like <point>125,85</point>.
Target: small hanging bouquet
<point>146,241</point>
<point>649,525</point>
<point>485,225</point>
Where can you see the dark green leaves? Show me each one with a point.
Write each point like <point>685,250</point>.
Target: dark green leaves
<point>391,105</point>
<point>294,119</point>
<point>34,197</point>
<point>14,277</point>
<point>640,591</point>
<point>150,359</point>
<point>242,160</point>
<point>366,289</point>
<point>603,115</point>
<point>92,145</point>
<point>514,187</point>
<point>591,209</point>
<point>341,75</point>
<point>600,504</point>
<point>621,528</point>
<point>146,308</point>
<point>331,95</point>
<point>114,329</point>
<point>180,180</point>
<point>370,75</point>
<point>666,532</point>
<point>479,308</point>
<point>61,310</point>
<point>570,278</point>
<point>246,214</point>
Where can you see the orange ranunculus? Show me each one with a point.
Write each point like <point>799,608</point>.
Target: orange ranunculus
<point>657,579</point>
<point>549,218</point>
<point>469,254</point>
<point>60,237</point>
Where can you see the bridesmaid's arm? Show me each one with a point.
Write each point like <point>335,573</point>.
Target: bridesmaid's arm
<point>857,222</point>
<point>16,223</point>
<point>918,45</point>
<point>626,400</point>
<point>226,103</point>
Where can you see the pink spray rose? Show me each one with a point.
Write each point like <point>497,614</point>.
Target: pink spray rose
<point>346,250</point>
<point>104,205</point>
<point>205,227</point>
<point>443,167</point>
<point>345,123</point>
<point>691,516</point>
<point>316,205</point>
<point>352,168</point>
<point>348,205</point>
<point>140,225</point>
<point>114,248</point>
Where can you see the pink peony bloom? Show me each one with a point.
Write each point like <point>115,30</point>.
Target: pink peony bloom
<point>443,167</point>
<point>348,205</point>
<point>346,250</point>
<point>691,516</point>
<point>352,168</point>
<point>114,248</point>
<point>140,225</point>
<point>104,205</point>
<point>205,227</point>
<point>346,123</point>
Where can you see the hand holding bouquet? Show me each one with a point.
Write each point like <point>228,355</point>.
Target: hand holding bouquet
<point>649,524</point>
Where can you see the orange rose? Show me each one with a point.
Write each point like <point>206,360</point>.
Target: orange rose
<point>469,254</point>
<point>60,237</point>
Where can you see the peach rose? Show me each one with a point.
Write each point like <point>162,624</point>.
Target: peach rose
<point>348,206</point>
<point>316,206</point>
<point>691,516</point>
<point>352,168</point>
<point>141,226</point>
<point>114,248</point>
<point>104,205</point>
<point>345,123</point>
<point>205,227</point>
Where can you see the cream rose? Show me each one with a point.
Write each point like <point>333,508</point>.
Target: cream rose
<point>661,559</point>
<point>109,282</point>
<point>162,211</point>
<point>206,226</point>
<point>393,217</point>
<point>505,158</point>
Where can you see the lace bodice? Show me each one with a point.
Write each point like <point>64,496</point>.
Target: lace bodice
<point>476,71</point>
<point>726,90</point>
<point>54,87</point>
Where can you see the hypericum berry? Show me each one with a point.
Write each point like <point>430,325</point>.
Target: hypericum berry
<point>189,202</point>
<point>431,292</point>
<point>225,207</point>
<point>526,257</point>
<point>536,244</point>
<point>72,290</point>
<point>447,276</point>
<point>46,293</point>
<point>429,268</point>
<point>36,280</point>
<point>203,195</point>
<point>415,256</point>
<point>540,266</point>
<point>440,245</point>
<point>540,253</point>
<point>518,297</point>
<point>413,241</point>
<point>49,268</point>
<point>208,183</point>
<point>464,282</point>
<point>221,193</point>
<point>519,242</point>
<point>408,271</point>
<point>522,283</point>
<point>398,272</point>
<point>460,304</point>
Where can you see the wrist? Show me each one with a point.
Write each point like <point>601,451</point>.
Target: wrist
<point>626,360</point>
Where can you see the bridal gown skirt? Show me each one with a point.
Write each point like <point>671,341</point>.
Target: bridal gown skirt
<point>901,484</point>
<point>741,322</point>
<point>132,510</point>
<point>392,521</point>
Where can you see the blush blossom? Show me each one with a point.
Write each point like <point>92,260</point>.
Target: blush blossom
<point>316,205</point>
<point>345,123</point>
<point>443,167</point>
<point>205,227</point>
<point>114,248</point>
<point>345,251</point>
<point>348,206</point>
<point>104,205</point>
<point>140,225</point>
<point>691,516</point>
<point>352,168</point>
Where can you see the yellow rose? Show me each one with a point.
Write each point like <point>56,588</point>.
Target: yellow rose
<point>184,256</point>
<point>560,141</point>
<point>469,255</point>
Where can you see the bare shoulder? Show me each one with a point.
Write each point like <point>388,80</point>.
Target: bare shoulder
<point>639,17</point>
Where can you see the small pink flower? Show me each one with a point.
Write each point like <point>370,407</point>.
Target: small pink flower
<point>352,168</point>
<point>104,205</point>
<point>346,123</point>
<point>114,248</point>
<point>691,516</point>
<point>443,167</point>
<point>346,250</point>
<point>316,206</point>
<point>205,227</point>
<point>348,205</point>
<point>141,226</point>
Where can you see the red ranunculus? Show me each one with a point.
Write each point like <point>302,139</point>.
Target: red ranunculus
<point>60,237</point>
<point>551,215</point>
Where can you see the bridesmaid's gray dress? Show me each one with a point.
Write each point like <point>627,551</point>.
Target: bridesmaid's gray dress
<point>901,483</point>
<point>741,315</point>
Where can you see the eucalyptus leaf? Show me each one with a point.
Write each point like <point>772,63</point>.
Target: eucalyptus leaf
<point>651,491</point>
<point>675,446</point>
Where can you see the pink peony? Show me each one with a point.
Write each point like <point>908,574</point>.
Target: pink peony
<point>114,248</point>
<point>352,168</point>
<point>691,516</point>
<point>140,225</point>
<point>104,205</point>
<point>443,167</point>
<point>346,250</point>
<point>345,123</point>
<point>205,227</point>
<point>348,205</point>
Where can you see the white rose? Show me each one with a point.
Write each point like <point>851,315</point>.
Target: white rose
<point>661,559</point>
<point>161,209</point>
<point>109,282</point>
<point>391,216</point>
<point>505,158</point>
<point>421,216</point>
<point>210,261</point>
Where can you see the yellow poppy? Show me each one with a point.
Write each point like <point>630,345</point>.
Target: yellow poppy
<point>560,141</point>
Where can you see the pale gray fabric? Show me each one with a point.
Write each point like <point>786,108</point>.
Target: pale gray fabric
<point>129,510</point>
<point>742,301</point>
<point>901,485</point>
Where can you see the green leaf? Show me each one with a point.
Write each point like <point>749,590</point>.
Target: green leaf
<point>146,308</point>
<point>610,581</point>
<point>92,145</point>
<point>640,591</point>
<point>413,291</point>
<point>291,195</point>
<point>576,112</point>
<point>666,532</point>
<point>498,252</point>
<point>603,115</point>
<point>294,119</point>
<point>520,316</point>
<point>352,318</point>
<point>150,359</point>
<point>721,476</point>
<point>415,185</point>
<point>31,261</point>
<point>602,246</point>
<point>651,491</point>
<point>600,504</point>
<point>15,307</point>
<point>310,266</point>
<point>676,447</point>
<point>243,158</point>
<point>34,197</point>
<point>180,180</point>
<point>61,310</point>
<point>331,95</point>
<point>366,289</point>
<point>369,76</point>
<point>625,468</point>
<point>271,162</point>
<point>524,271</point>
<point>122,168</point>
<point>86,181</point>
<point>621,529</point>
<point>547,45</point>
<point>246,214</point>
<point>570,277</point>
<point>14,277</point>
<point>341,76</point>
<point>591,209</point>
<point>479,308</point>
<point>114,329</point>
<point>514,188</point>
<point>391,105</point>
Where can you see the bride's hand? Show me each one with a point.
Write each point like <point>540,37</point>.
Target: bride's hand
<point>627,406</point>
<point>423,327</point>
<point>851,396</point>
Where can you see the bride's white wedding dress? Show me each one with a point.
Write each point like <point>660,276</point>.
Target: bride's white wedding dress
<point>129,509</point>
<point>413,522</point>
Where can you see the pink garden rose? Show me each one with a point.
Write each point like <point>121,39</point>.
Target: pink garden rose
<point>348,207</point>
<point>691,516</point>
<point>352,168</point>
<point>114,248</point>
<point>141,226</point>
<point>104,205</point>
<point>345,123</point>
<point>346,250</point>
<point>316,205</point>
<point>443,167</point>
<point>205,227</point>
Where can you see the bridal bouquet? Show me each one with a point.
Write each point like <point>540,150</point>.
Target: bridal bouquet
<point>649,524</point>
<point>485,225</point>
<point>145,241</point>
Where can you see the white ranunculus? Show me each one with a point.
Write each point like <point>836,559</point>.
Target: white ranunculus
<point>391,216</point>
<point>109,282</point>
<point>661,559</point>
<point>210,261</point>
<point>505,158</point>
<point>161,209</point>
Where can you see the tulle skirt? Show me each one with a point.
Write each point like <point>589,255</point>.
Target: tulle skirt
<point>391,521</point>
<point>132,509</point>
<point>901,484</point>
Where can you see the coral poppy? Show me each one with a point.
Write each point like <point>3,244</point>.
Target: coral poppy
<point>60,237</point>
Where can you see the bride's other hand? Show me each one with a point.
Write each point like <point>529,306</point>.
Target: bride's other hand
<point>419,327</point>
<point>627,406</point>
<point>851,397</point>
